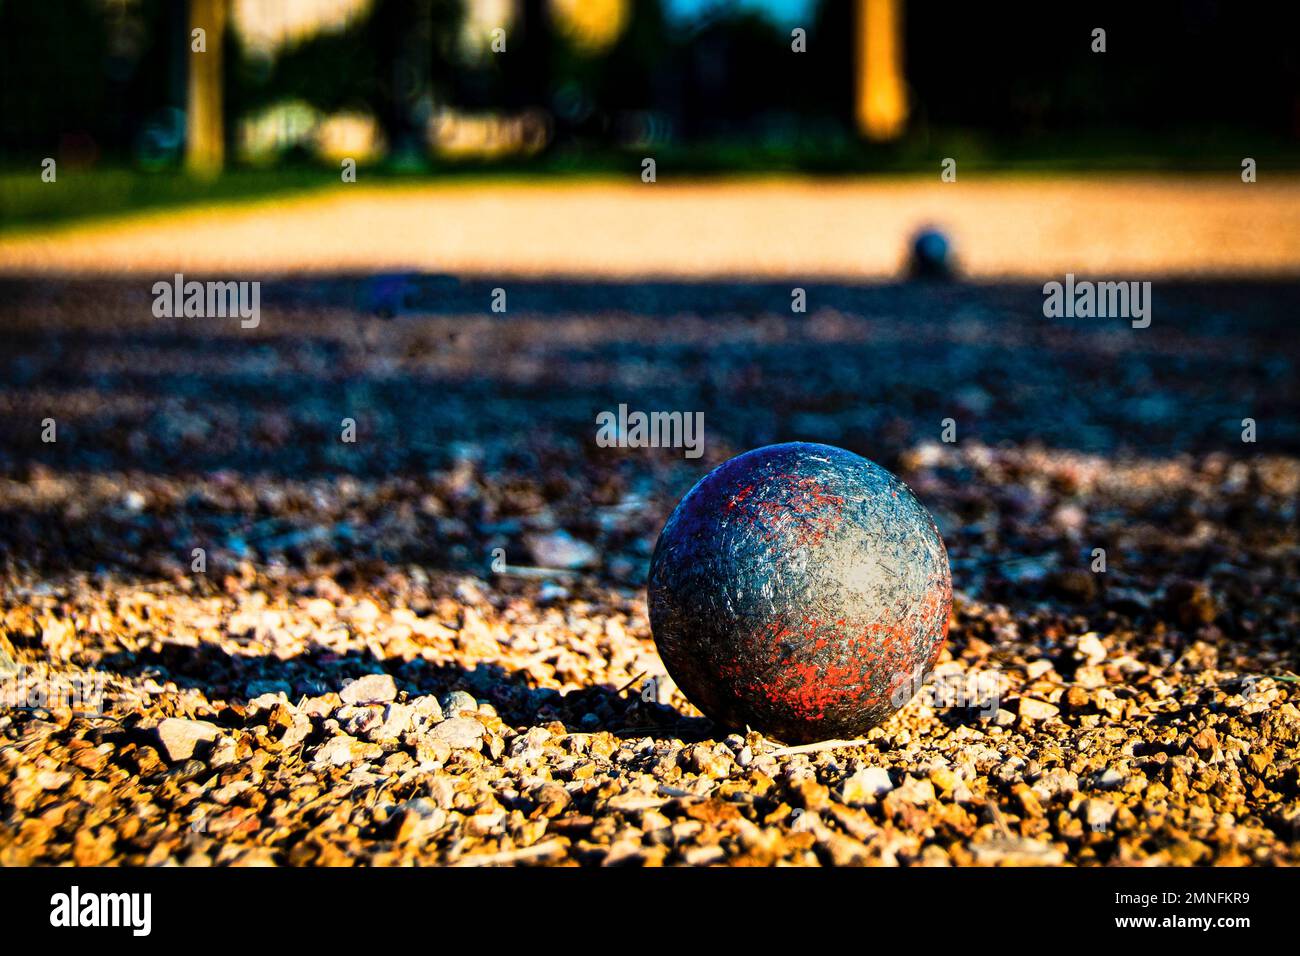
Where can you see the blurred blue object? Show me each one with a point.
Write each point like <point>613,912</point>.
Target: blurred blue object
<point>390,294</point>
<point>931,256</point>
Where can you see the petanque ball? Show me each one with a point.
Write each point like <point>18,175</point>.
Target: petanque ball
<point>931,256</point>
<point>800,590</point>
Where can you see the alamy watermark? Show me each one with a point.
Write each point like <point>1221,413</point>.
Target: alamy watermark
<point>81,692</point>
<point>971,690</point>
<point>208,300</point>
<point>1086,299</point>
<point>75,909</point>
<point>624,429</point>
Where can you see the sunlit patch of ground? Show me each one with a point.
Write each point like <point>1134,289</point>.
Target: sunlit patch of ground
<point>1002,226</point>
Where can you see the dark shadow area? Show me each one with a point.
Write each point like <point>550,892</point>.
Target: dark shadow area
<point>234,439</point>
<point>221,675</point>
<point>873,368</point>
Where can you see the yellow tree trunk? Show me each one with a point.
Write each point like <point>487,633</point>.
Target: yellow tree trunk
<point>205,139</point>
<point>881,92</point>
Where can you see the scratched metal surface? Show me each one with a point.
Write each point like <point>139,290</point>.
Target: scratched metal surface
<point>801,590</point>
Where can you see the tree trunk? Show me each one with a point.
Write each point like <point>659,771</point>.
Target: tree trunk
<point>205,139</point>
<point>881,93</point>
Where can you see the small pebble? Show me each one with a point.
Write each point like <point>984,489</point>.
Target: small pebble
<point>370,689</point>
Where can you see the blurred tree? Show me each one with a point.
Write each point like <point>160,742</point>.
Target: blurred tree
<point>881,91</point>
<point>394,62</point>
<point>590,26</point>
<point>87,78</point>
<point>52,79</point>
<point>735,71</point>
<point>526,68</point>
<point>205,143</point>
<point>640,70</point>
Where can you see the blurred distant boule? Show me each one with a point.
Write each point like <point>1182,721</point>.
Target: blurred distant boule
<point>931,256</point>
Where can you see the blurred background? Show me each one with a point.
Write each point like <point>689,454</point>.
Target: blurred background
<point>286,89</point>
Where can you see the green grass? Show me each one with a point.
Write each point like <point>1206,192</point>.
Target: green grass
<point>77,195</point>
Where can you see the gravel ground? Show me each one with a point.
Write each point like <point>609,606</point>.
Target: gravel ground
<point>353,681</point>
